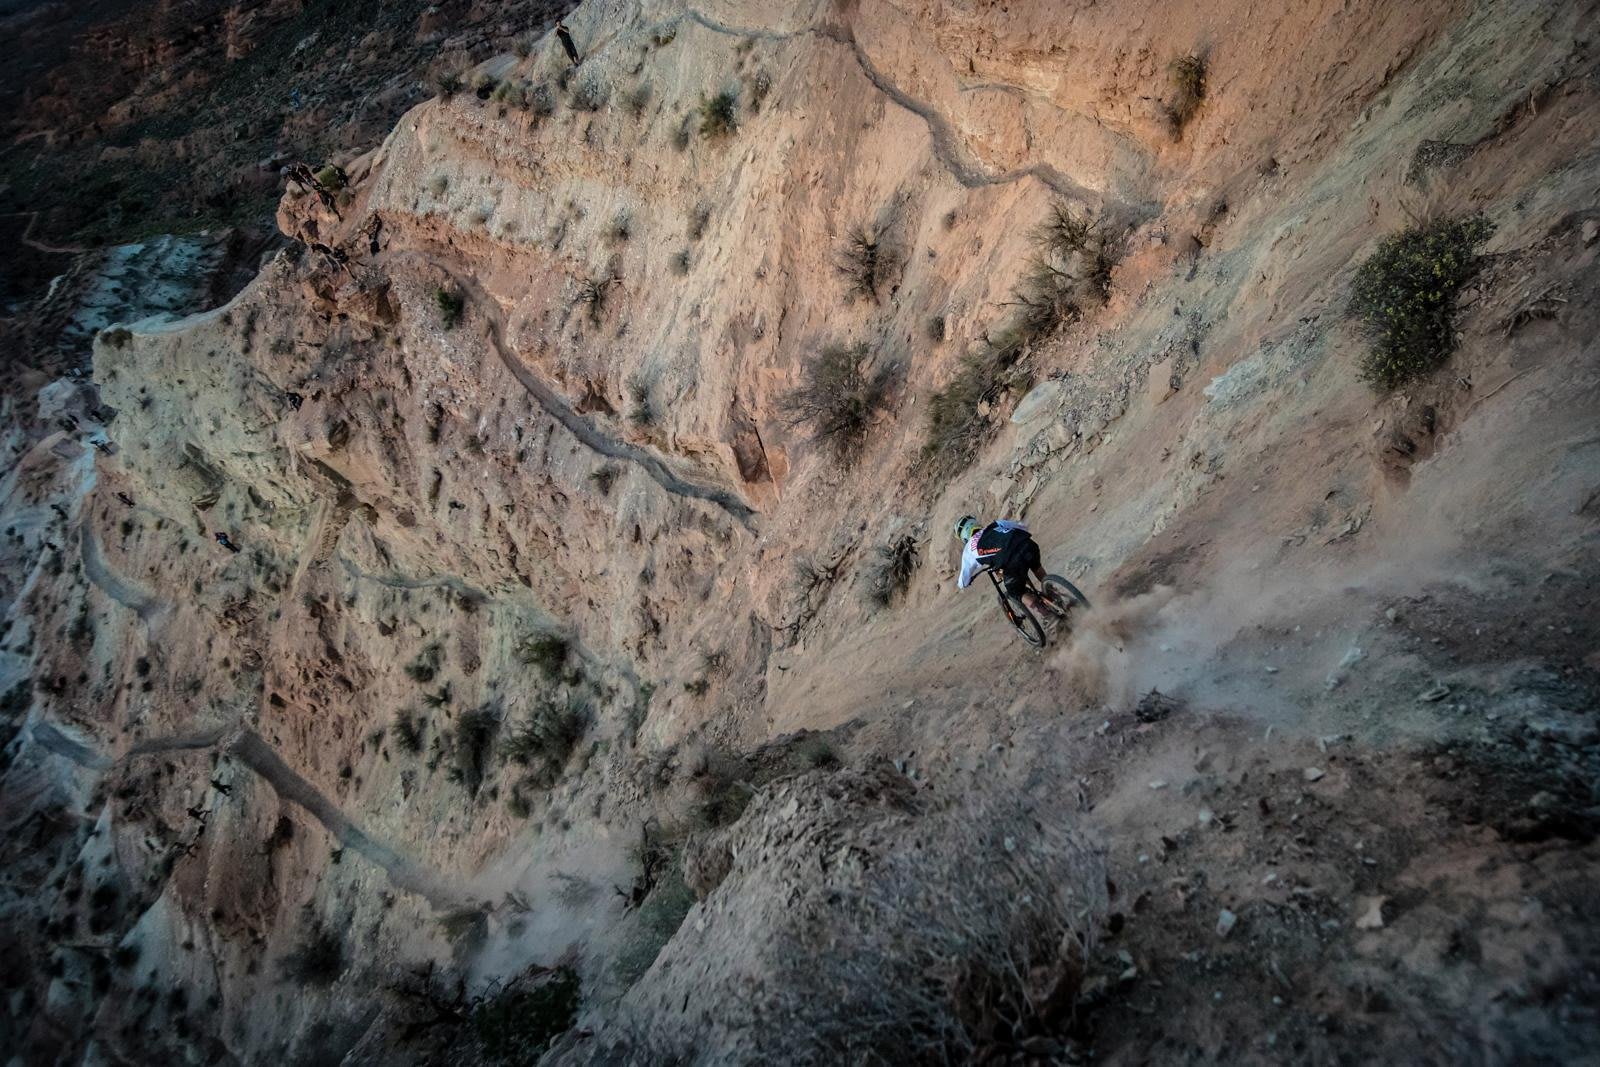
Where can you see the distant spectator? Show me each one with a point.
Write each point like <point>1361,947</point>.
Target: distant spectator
<point>564,35</point>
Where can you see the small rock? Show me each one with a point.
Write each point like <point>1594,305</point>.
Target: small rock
<point>1314,774</point>
<point>1272,670</point>
<point>1158,784</point>
<point>1435,694</point>
<point>1591,231</point>
<point>1371,917</point>
<point>1225,923</point>
<point>1205,816</point>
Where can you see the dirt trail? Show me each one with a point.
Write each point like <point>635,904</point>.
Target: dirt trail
<point>147,605</point>
<point>558,409</point>
<point>252,750</point>
<point>948,147</point>
<point>450,582</point>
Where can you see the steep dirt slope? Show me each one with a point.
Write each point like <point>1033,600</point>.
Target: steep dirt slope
<point>528,583</point>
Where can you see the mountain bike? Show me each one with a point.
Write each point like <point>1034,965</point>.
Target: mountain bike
<point>1056,593</point>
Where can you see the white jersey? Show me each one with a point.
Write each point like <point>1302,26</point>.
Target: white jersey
<point>971,562</point>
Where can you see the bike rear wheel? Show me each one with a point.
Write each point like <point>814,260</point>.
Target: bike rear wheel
<point>1020,617</point>
<point>1062,594</point>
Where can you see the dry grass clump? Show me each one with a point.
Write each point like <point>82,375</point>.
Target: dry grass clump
<point>863,263</point>
<point>1188,75</point>
<point>592,93</point>
<point>838,396</point>
<point>890,569</point>
<point>1405,294</point>
<point>595,295</point>
<point>1071,269</point>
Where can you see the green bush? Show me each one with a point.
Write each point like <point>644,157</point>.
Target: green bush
<point>450,305</point>
<point>837,397</point>
<point>547,651</point>
<point>591,94</point>
<point>639,99</point>
<point>475,734</point>
<point>719,115</point>
<point>331,178</point>
<point>518,1026</point>
<point>1405,294</point>
<point>408,730</point>
<point>423,669</point>
<point>545,739</point>
<point>449,84</point>
<point>643,412</point>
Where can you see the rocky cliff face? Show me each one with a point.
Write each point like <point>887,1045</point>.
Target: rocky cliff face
<point>403,641</point>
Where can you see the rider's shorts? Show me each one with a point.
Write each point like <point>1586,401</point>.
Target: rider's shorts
<point>1020,559</point>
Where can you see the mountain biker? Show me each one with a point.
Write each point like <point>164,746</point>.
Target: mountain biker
<point>1004,546</point>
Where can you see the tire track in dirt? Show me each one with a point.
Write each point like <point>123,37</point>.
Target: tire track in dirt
<point>558,409</point>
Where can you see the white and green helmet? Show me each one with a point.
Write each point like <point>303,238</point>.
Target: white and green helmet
<point>966,526</point>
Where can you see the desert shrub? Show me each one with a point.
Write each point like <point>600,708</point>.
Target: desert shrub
<point>518,1025</point>
<point>604,478</point>
<point>547,651</point>
<point>408,731</point>
<point>684,134</point>
<point>863,263</point>
<point>815,752</point>
<point>423,669</point>
<point>719,114</point>
<point>438,184</point>
<point>319,959</point>
<point>475,732</point>
<point>448,84</point>
<point>666,36</point>
<point>890,570</point>
<point>680,262</point>
<point>450,305</point>
<point>956,418</point>
<point>439,699</point>
<point>621,227</point>
<point>484,85</point>
<point>545,739</point>
<point>522,47</point>
<point>1405,294</point>
<point>643,412</point>
<point>838,396</point>
<point>594,294</point>
<point>1188,74</point>
<point>592,93</point>
<point>540,101</point>
<point>116,337</point>
<point>938,329</point>
<point>639,99</point>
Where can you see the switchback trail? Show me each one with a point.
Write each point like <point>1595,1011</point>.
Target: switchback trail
<point>250,749</point>
<point>948,147</point>
<point>558,409</point>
